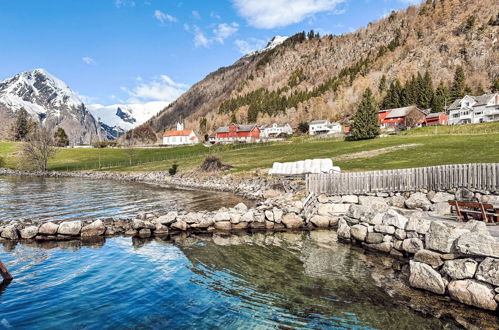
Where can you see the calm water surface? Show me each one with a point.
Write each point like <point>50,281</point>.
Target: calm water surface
<point>72,198</point>
<point>303,280</point>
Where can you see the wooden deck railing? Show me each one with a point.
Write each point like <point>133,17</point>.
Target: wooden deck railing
<point>474,176</point>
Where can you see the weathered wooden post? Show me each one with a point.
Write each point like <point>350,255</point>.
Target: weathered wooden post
<point>5,273</point>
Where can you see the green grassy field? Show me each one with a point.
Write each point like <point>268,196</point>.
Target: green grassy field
<point>431,148</point>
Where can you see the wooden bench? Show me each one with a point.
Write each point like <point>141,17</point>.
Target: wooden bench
<point>465,210</point>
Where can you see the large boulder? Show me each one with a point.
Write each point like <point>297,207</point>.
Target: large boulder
<point>292,221</point>
<point>460,269</point>
<point>350,199</point>
<point>440,197</point>
<point>429,257</point>
<point>29,232</point>
<point>71,228</point>
<point>364,213</point>
<point>241,207</point>
<point>221,216</point>
<point>359,232</point>
<point>418,201</point>
<point>168,218</point>
<point>478,244</point>
<point>412,245</point>
<point>384,229</point>
<point>278,213</point>
<point>333,209</point>
<point>418,223</point>
<point>375,203</point>
<point>48,228</point>
<point>179,225</point>
<point>320,221</point>
<point>374,238</point>
<point>393,218</point>
<point>423,276</point>
<point>343,229</point>
<point>440,209</point>
<point>442,235</point>
<point>223,225</point>
<point>96,228</point>
<point>463,194</point>
<point>10,232</point>
<point>397,201</point>
<point>474,293</point>
<point>488,271</point>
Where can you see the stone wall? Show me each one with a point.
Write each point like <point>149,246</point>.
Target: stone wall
<point>445,257</point>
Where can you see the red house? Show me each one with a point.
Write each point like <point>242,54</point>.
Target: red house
<point>401,118</point>
<point>436,119</point>
<point>237,133</point>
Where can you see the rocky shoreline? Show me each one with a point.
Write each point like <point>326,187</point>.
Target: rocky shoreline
<point>459,260</point>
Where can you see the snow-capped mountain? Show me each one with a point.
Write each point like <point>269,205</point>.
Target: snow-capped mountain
<point>126,116</point>
<point>50,102</point>
<point>273,43</point>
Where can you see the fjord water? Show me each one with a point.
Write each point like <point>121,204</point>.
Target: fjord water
<point>74,198</point>
<point>290,280</point>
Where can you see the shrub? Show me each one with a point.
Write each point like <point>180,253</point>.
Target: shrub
<point>173,170</point>
<point>212,163</point>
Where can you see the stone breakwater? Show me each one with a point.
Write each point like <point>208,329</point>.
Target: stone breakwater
<point>251,188</point>
<point>460,260</point>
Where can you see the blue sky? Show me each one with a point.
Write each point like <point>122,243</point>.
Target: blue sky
<point>115,51</point>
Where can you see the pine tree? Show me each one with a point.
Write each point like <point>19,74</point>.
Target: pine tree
<point>409,96</point>
<point>365,122</point>
<point>458,87</point>
<point>393,98</point>
<point>440,98</point>
<point>382,84</point>
<point>61,138</point>
<point>425,92</point>
<point>20,129</point>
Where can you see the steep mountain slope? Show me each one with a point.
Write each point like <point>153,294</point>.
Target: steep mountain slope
<point>310,77</point>
<point>50,102</point>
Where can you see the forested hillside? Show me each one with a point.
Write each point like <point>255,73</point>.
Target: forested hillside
<point>425,55</point>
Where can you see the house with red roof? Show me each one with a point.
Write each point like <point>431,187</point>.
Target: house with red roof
<point>436,119</point>
<point>236,133</point>
<point>180,136</point>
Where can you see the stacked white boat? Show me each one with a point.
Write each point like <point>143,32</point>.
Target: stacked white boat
<point>309,166</point>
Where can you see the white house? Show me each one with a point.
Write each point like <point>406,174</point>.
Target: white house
<point>323,127</point>
<point>274,130</point>
<point>180,136</point>
<point>474,109</point>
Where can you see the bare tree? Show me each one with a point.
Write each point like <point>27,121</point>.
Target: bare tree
<point>37,149</point>
<point>129,146</point>
<point>414,118</point>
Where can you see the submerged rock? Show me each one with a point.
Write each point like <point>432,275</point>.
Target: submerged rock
<point>473,293</point>
<point>425,277</point>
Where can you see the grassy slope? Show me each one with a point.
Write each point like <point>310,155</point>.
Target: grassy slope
<point>436,147</point>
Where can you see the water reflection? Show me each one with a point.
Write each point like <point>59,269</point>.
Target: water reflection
<point>74,198</point>
<point>263,280</point>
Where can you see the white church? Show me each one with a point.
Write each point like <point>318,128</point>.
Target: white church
<point>180,136</point>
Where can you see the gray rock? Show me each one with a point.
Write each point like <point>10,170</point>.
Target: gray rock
<point>490,199</point>
<point>424,277</point>
<point>394,218</point>
<point>248,217</point>
<point>412,245</point>
<point>323,199</point>
<point>96,228</point>
<point>428,257</point>
<point>400,234</point>
<point>397,201</point>
<point>478,244</point>
<point>362,212</point>
<point>375,203</point>
<point>168,218</point>
<point>223,225</point>
<point>339,209</point>
<point>383,246</point>
<point>241,207</point>
<point>442,235</point>
<point>440,209</point>
<point>350,199</point>
<point>440,197</point>
<point>269,215</point>
<point>418,201</point>
<point>320,221</point>
<point>236,217</point>
<point>71,228</point>
<point>221,216</point>
<point>180,225</point>
<point>474,293</point>
<point>292,221</point>
<point>374,238</point>
<point>418,223</point>
<point>144,232</point>
<point>488,271</point>
<point>460,269</point>
<point>359,232</point>
<point>343,229</point>
<point>48,228</point>
<point>29,232</point>
<point>384,229</point>
<point>398,244</point>
<point>10,232</point>
<point>463,194</point>
<point>475,226</point>
<point>278,213</point>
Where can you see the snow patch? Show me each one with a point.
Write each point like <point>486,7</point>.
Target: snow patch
<point>273,43</point>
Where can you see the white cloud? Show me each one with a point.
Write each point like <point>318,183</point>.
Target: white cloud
<point>250,45</point>
<point>88,60</point>
<point>224,30</point>
<point>199,38</point>
<point>124,3</point>
<point>162,17</point>
<point>162,88</point>
<point>268,14</point>
<point>196,14</point>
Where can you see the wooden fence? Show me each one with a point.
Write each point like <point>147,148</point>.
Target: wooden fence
<point>473,176</point>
